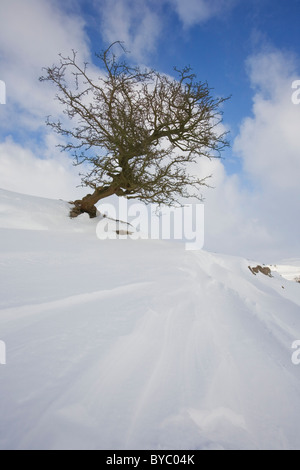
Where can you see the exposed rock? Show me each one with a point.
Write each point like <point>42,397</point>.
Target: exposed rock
<point>264,270</point>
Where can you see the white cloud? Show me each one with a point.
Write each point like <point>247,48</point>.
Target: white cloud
<point>139,23</point>
<point>32,33</point>
<point>25,172</point>
<point>135,22</point>
<point>269,146</point>
<point>269,142</point>
<point>232,224</point>
<point>192,12</point>
<point>256,212</point>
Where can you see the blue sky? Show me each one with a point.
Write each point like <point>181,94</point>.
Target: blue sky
<point>247,49</point>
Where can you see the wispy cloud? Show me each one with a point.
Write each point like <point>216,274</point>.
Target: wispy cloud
<point>139,23</point>
<point>135,22</point>
<point>193,12</point>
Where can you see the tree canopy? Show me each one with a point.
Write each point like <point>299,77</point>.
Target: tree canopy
<point>135,130</point>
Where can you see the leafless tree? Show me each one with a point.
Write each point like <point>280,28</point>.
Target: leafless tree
<point>135,130</point>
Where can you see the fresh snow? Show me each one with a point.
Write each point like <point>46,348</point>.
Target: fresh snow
<point>123,344</point>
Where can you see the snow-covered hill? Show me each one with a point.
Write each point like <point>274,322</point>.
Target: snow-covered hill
<point>122,344</point>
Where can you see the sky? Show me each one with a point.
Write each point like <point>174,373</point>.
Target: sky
<point>247,50</point>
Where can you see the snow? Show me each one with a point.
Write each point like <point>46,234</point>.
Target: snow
<point>139,344</point>
<point>289,269</point>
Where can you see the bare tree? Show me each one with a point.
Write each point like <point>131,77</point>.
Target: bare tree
<point>135,130</point>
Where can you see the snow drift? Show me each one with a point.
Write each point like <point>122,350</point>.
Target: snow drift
<point>122,344</point>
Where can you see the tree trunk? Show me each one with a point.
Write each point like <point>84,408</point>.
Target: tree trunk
<point>87,204</point>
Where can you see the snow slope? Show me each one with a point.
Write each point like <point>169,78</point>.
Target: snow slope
<point>122,344</point>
